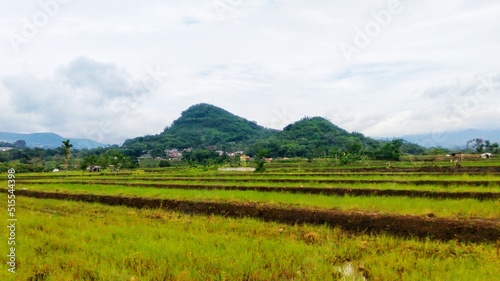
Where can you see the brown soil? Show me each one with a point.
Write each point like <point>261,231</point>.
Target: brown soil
<point>310,190</point>
<point>358,222</point>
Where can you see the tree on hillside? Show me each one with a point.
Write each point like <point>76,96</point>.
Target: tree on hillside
<point>204,157</point>
<point>116,160</point>
<point>390,150</point>
<point>67,152</point>
<point>494,148</point>
<point>89,160</point>
<point>478,144</point>
<point>259,159</point>
<point>20,144</point>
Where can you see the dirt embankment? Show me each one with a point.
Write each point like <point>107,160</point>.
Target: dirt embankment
<point>358,222</point>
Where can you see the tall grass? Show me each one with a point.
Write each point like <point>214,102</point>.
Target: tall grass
<point>61,240</point>
<point>234,182</point>
<point>464,208</point>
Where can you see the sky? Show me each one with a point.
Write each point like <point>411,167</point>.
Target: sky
<point>112,70</point>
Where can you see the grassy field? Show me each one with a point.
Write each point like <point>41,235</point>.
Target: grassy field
<point>448,183</point>
<point>61,240</point>
<point>464,208</point>
<point>65,240</point>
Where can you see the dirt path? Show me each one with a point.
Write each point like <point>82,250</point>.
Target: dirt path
<point>358,222</point>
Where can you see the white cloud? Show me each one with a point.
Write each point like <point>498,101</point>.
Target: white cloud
<point>86,98</point>
<point>86,71</point>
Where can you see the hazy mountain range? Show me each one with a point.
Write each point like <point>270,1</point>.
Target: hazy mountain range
<point>48,140</point>
<point>457,139</point>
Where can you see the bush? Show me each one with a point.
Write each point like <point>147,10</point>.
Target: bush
<point>260,166</point>
<point>164,163</point>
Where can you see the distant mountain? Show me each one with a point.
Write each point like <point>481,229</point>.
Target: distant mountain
<point>203,126</point>
<point>48,140</point>
<point>453,140</point>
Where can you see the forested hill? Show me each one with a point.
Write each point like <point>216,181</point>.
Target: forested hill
<point>314,137</point>
<point>206,124</point>
<point>209,127</point>
<point>203,126</point>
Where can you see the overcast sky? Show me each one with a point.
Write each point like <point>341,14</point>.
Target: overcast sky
<point>111,70</point>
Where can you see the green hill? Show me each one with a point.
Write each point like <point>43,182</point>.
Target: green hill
<point>202,126</point>
<point>207,125</point>
<point>314,137</point>
<point>210,127</point>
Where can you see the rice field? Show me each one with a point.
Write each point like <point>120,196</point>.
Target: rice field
<point>284,224</point>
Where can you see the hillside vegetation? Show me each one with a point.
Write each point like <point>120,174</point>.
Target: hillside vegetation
<point>314,137</point>
<point>202,126</point>
<point>208,127</point>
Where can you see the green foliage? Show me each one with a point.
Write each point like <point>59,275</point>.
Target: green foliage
<point>117,159</point>
<point>202,126</point>
<point>91,160</point>
<point>67,152</point>
<point>259,159</point>
<point>436,151</point>
<point>20,144</point>
<point>164,163</point>
<point>113,158</point>
<point>67,148</point>
<point>166,245</point>
<point>411,148</point>
<point>495,148</point>
<point>348,158</point>
<point>6,144</point>
<point>390,150</point>
<point>313,137</point>
<point>205,126</point>
<point>260,166</point>
<point>204,157</point>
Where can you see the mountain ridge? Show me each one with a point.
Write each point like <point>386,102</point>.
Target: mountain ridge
<point>453,139</point>
<point>48,140</point>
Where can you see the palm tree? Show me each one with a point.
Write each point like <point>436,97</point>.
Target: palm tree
<point>67,152</point>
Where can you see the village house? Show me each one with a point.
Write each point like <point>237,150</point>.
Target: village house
<point>173,154</point>
<point>244,158</point>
